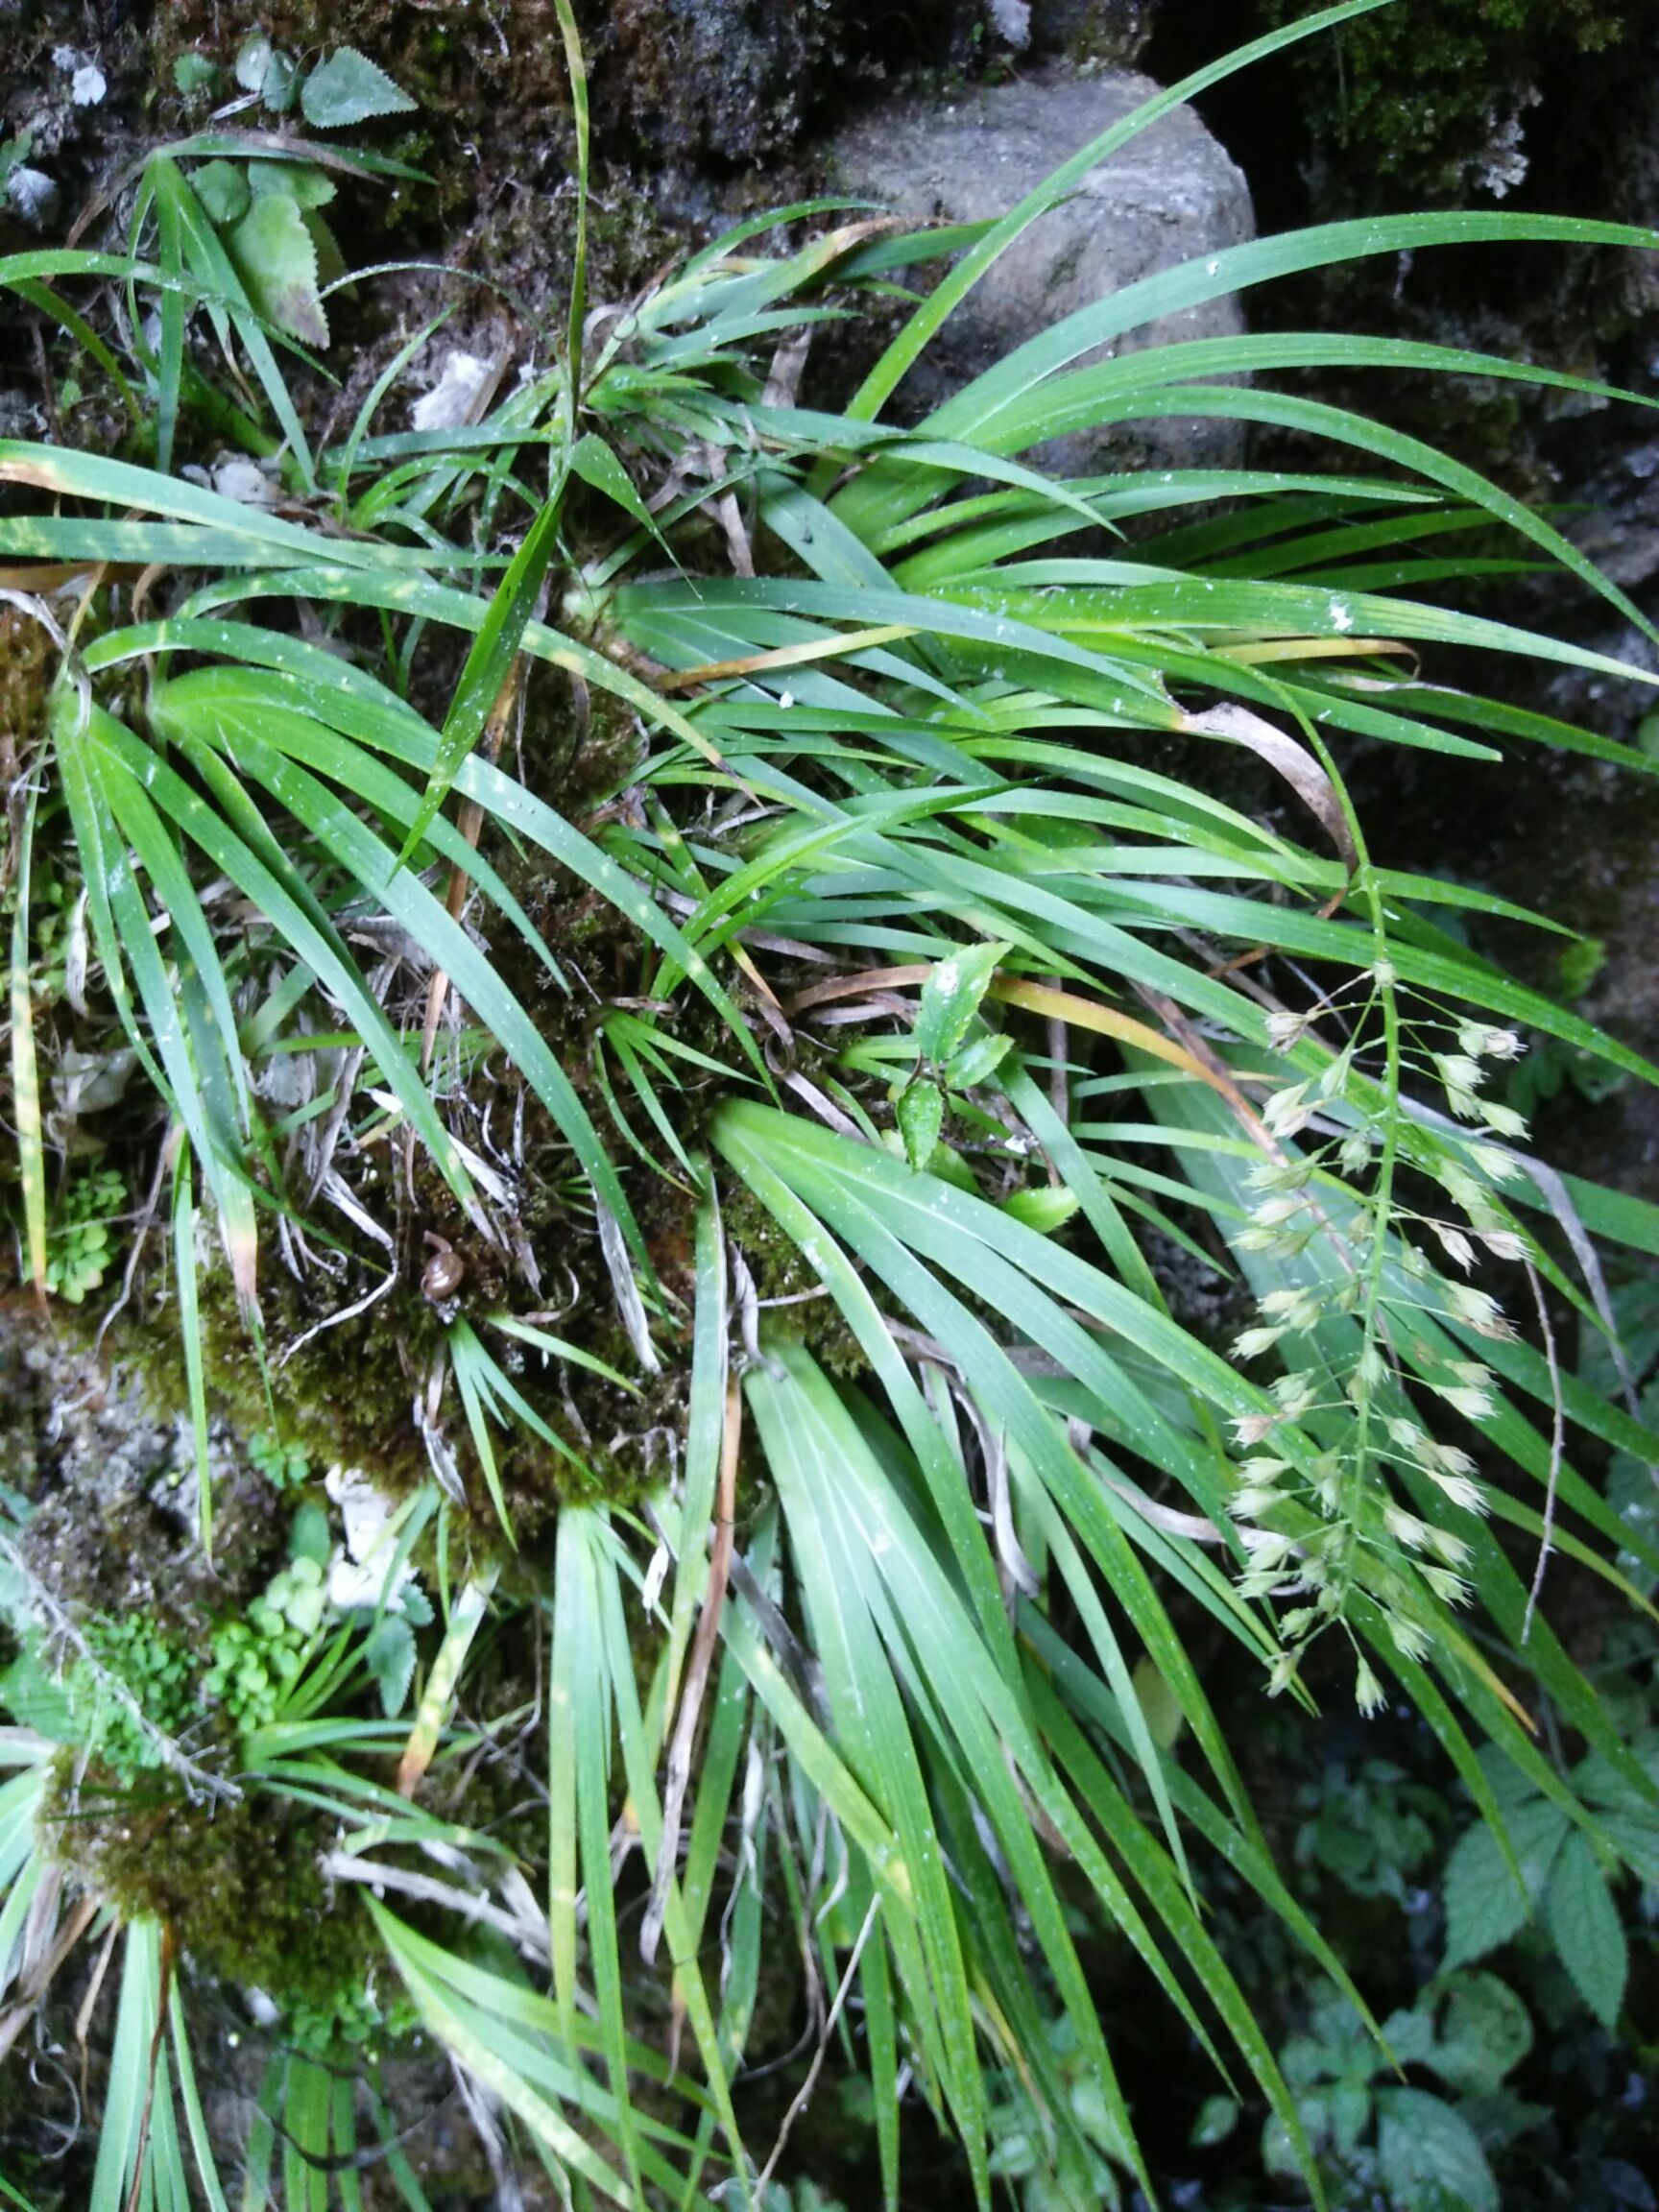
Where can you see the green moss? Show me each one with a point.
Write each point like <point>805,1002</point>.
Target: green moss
<point>237,1884</point>
<point>153,1666</point>
<point>781,1273</point>
<point>1428,95</point>
<point>28,663</point>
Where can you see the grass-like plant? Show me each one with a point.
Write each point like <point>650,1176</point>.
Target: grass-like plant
<point>708,937</point>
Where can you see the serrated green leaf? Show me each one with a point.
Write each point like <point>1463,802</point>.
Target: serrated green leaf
<point>389,1655</point>
<point>281,77</point>
<point>1484,1905</point>
<point>1584,1927</point>
<point>950,998</point>
<point>309,1537</point>
<point>253,61</point>
<point>977,1062</point>
<point>348,88</point>
<point>1484,2034</point>
<point>921,1115</point>
<point>1429,2157</point>
<point>194,73</point>
<point>222,189</point>
<point>275,257</point>
<point>301,182</point>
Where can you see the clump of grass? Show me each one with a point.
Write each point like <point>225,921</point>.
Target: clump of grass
<point>749,1160</point>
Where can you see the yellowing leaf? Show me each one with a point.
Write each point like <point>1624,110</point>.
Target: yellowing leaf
<point>275,257</point>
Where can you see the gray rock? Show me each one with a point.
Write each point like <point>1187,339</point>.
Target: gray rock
<point>1619,525</point>
<point>721,80</point>
<point>1171,195</point>
<point>1102,31</point>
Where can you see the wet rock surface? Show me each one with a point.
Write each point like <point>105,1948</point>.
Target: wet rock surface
<point>1171,195</point>
<point>107,1470</point>
<point>700,103</point>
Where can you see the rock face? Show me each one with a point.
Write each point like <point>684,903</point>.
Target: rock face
<point>1171,195</point>
<point>1111,31</point>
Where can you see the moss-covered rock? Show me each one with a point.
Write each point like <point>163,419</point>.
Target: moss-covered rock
<point>1429,100</point>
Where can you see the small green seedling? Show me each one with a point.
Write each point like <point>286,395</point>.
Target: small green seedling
<point>266,212</point>
<point>947,1060</point>
<point>78,1243</point>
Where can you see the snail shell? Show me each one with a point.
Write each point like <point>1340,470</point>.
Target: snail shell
<point>443,1273</point>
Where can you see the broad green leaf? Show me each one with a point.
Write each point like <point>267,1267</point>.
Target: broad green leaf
<point>921,1112</point>
<point>1484,1905</point>
<point>275,255</point>
<point>347,87</point>
<point>1585,1928</point>
<point>1041,1206</point>
<point>389,1654</point>
<point>1429,2158</point>
<point>222,187</point>
<point>1484,2035</point>
<point>951,997</point>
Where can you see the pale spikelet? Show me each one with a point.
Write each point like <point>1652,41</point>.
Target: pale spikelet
<point>1458,1490</point>
<point>1504,1119</point>
<point>1472,1405</point>
<point>1369,1693</point>
<point>1284,1244</point>
<point>1281,1672</point>
<point>1478,1309</point>
<point>1252,1343</point>
<point>1354,1155</point>
<point>1254,1428</point>
<point>1449,1545</point>
<point>1260,1582</point>
<point>1501,1166</point>
<point>1286,1029</point>
<point>1277,1174</point>
<point>1461,1187</point>
<point>1504,1243</point>
<point>1410,1435</point>
<point>1288,1110</point>
<point>1481,1043</point>
<point>1268,1551</point>
<point>1292,1309</point>
<point>1451,1589</point>
<point>1371,1370</point>
<point>1458,1071</point>
<point>1413,1641</point>
<point>1404,1528</point>
<point>1454,1244</point>
<point>1334,1077</point>
<point>1281,1206</point>
<point>1297,1394</point>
